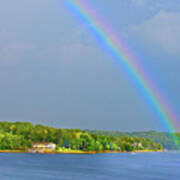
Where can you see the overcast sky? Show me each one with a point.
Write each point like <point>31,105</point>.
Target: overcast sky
<point>53,71</point>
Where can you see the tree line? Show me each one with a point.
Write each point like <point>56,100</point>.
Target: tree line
<point>21,135</point>
<point>164,138</point>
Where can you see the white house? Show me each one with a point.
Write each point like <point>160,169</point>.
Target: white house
<point>41,147</point>
<point>44,145</point>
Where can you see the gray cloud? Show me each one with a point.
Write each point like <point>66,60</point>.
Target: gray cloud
<point>12,50</point>
<point>138,2</point>
<point>161,31</point>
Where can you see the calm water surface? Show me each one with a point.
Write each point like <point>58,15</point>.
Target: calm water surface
<point>141,166</point>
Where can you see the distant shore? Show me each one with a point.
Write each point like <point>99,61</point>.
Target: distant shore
<point>25,137</point>
<point>77,152</point>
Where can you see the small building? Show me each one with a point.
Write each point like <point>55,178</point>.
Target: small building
<point>41,147</point>
<point>44,145</point>
<point>135,145</point>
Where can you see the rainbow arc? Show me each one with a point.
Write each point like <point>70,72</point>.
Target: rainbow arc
<point>128,61</point>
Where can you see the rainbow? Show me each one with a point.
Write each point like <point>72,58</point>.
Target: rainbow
<point>116,48</point>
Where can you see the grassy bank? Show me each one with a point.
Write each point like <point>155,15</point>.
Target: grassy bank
<point>13,151</point>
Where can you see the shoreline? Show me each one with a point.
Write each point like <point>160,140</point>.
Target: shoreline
<point>78,152</point>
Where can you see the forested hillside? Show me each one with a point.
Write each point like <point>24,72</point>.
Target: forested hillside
<point>160,137</point>
<point>21,135</point>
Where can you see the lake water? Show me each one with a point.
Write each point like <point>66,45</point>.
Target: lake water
<point>141,166</point>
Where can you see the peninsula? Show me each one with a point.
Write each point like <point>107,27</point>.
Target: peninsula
<point>27,137</point>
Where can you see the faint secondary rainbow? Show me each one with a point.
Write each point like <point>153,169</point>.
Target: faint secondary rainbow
<point>127,60</point>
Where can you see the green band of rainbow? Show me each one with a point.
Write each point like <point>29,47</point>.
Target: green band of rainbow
<point>128,61</point>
